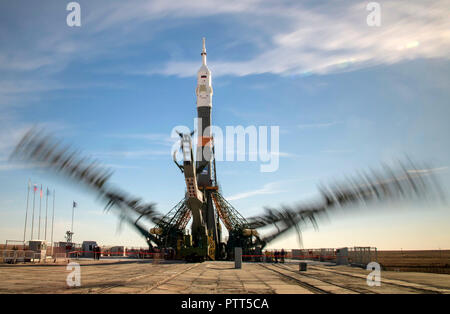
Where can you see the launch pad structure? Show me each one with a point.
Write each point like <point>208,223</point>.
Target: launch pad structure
<point>203,201</point>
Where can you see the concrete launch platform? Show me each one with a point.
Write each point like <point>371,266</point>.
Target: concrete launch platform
<point>122,276</point>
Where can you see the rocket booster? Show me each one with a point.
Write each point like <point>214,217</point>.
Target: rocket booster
<point>204,94</point>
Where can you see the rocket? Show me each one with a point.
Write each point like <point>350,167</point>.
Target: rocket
<point>198,175</point>
<point>205,153</point>
<point>204,94</point>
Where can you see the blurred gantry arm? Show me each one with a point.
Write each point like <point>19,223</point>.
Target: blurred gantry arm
<point>404,183</point>
<point>47,152</point>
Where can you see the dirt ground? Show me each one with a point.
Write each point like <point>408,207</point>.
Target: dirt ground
<point>424,261</point>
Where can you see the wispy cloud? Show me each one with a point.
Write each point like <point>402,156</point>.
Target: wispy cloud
<point>7,166</point>
<point>269,188</point>
<point>292,38</point>
<point>112,14</point>
<point>338,151</point>
<point>157,138</point>
<point>118,166</point>
<point>430,170</point>
<point>253,155</point>
<point>317,125</point>
<point>309,44</point>
<point>133,154</point>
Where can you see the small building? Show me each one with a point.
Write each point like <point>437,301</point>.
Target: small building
<point>39,247</point>
<point>360,256</point>
<point>65,247</point>
<point>342,256</point>
<point>87,248</point>
<point>117,251</point>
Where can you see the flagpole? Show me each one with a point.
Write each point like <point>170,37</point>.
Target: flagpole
<point>32,221</point>
<point>26,212</point>
<point>73,207</point>
<point>46,211</point>
<point>40,205</point>
<point>53,217</point>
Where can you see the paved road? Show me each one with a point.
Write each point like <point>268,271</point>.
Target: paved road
<point>211,278</point>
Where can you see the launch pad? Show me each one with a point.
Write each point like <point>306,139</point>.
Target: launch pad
<point>213,277</point>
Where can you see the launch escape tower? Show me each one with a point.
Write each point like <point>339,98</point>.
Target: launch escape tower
<point>203,201</point>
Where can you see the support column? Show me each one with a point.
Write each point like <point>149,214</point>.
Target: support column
<point>238,257</point>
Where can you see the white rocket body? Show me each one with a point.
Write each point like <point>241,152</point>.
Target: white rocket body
<point>204,89</point>
<point>204,94</point>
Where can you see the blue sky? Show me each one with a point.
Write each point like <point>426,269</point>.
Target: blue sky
<point>346,96</point>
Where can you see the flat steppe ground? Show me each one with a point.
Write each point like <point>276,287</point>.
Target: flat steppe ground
<point>134,276</point>
<point>424,261</point>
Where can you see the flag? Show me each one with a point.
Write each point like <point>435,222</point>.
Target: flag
<point>48,192</point>
<point>35,187</point>
<point>41,190</point>
<point>74,204</point>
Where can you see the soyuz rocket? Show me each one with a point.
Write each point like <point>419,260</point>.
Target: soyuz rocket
<point>198,171</point>
<point>204,94</point>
